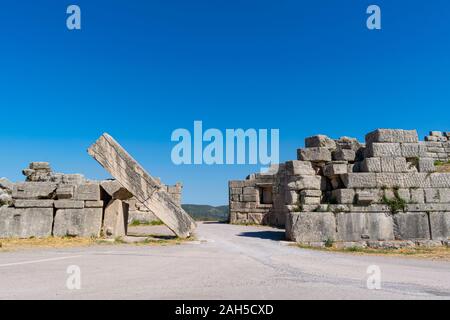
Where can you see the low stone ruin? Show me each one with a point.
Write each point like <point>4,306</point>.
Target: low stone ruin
<point>54,204</point>
<point>388,189</point>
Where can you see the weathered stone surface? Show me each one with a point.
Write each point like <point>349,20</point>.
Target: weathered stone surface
<point>115,219</point>
<point>366,197</point>
<point>115,190</point>
<point>145,188</point>
<point>305,182</point>
<point>440,225</point>
<point>310,226</point>
<point>394,164</point>
<point>440,180</point>
<point>383,150</point>
<point>344,155</point>
<point>392,135</point>
<point>69,204</point>
<point>85,222</point>
<point>34,190</point>
<point>40,166</point>
<point>426,165</point>
<point>87,191</point>
<point>311,193</point>
<point>6,184</point>
<point>65,192</point>
<point>371,165</point>
<point>297,167</point>
<point>411,225</point>
<point>320,141</point>
<point>93,204</point>
<point>20,203</point>
<point>391,244</point>
<point>358,226</point>
<point>314,154</point>
<point>25,222</point>
<point>334,169</point>
<point>345,196</point>
<point>291,197</point>
<point>359,180</point>
<point>417,196</point>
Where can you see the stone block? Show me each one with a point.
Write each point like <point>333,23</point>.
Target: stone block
<point>392,135</point>
<point>85,222</point>
<point>69,204</point>
<point>115,190</point>
<point>358,226</point>
<point>432,195</point>
<point>440,180</point>
<point>440,225</point>
<point>411,226</point>
<point>310,200</point>
<point>256,218</point>
<point>310,226</point>
<point>359,180</point>
<point>305,182</point>
<point>291,197</point>
<point>39,166</point>
<point>426,165</point>
<point>93,204</point>
<point>334,169</point>
<point>250,191</point>
<point>21,203</point>
<point>65,192</point>
<point>371,165</point>
<point>34,190</point>
<point>25,222</point>
<point>314,154</point>
<point>320,141</point>
<point>74,179</point>
<point>428,243</point>
<point>391,164</point>
<point>344,155</point>
<point>412,150</point>
<point>436,133</point>
<point>344,196</point>
<point>417,196</point>
<point>383,150</point>
<point>115,221</point>
<point>444,195</point>
<point>366,197</point>
<point>297,167</point>
<point>87,191</point>
<point>311,193</point>
<point>235,191</point>
<point>249,198</point>
<point>6,184</point>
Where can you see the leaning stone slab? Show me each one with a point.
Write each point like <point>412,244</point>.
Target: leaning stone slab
<point>440,225</point>
<point>411,225</point>
<point>20,203</point>
<point>144,187</point>
<point>25,222</point>
<point>310,226</point>
<point>85,222</point>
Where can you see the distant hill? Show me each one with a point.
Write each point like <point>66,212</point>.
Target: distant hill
<point>206,213</point>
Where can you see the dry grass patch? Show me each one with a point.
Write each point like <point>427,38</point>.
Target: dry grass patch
<point>436,253</point>
<point>51,242</point>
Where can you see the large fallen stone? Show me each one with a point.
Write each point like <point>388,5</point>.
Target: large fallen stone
<point>310,226</point>
<point>25,222</point>
<point>85,222</point>
<point>115,221</point>
<point>144,187</point>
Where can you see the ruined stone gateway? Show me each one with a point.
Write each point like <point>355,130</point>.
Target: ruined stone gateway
<point>393,187</point>
<point>54,204</point>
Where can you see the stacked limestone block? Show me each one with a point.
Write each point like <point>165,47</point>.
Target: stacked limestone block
<point>139,213</point>
<point>341,190</point>
<point>438,145</point>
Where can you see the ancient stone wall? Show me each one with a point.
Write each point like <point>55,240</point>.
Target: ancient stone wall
<point>54,204</point>
<point>389,188</point>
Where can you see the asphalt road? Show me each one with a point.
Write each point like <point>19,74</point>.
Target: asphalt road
<point>232,262</point>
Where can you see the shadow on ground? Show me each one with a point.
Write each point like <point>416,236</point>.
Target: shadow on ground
<point>269,235</point>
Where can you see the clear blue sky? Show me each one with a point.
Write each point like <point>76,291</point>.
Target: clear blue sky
<point>140,69</point>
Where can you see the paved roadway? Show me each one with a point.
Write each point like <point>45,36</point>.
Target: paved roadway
<point>234,262</point>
